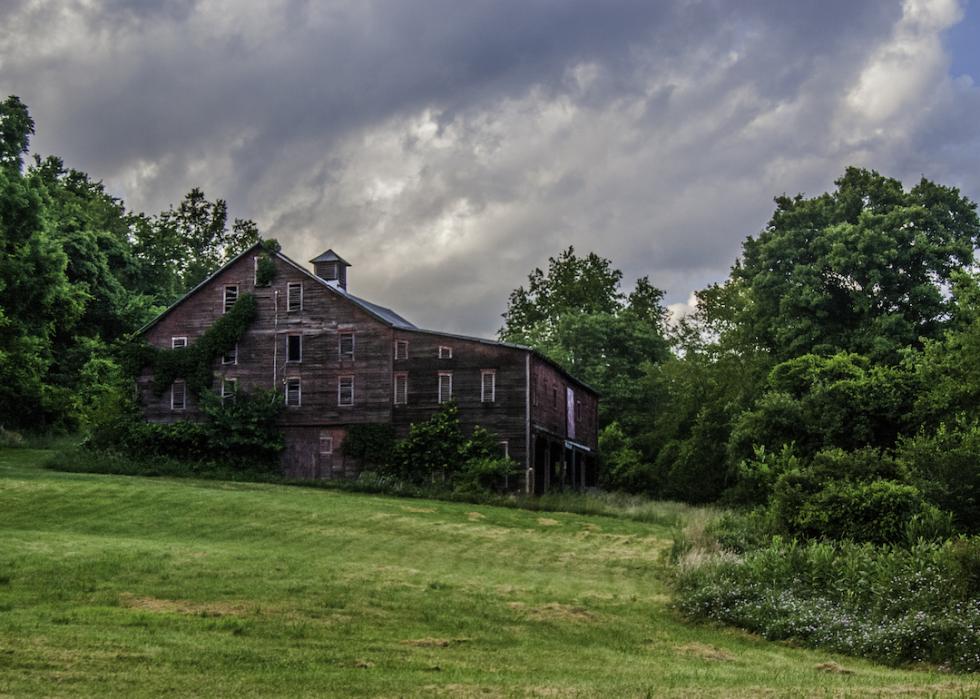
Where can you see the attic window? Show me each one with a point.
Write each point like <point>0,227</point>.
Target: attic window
<point>401,349</point>
<point>445,352</point>
<point>294,297</point>
<point>294,392</point>
<point>294,348</point>
<point>401,389</point>
<point>231,295</point>
<point>230,357</point>
<point>178,342</point>
<point>445,386</point>
<point>347,346</point>
<point>488,386</point>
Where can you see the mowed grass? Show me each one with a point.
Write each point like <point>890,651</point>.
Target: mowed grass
<point>135,586</point>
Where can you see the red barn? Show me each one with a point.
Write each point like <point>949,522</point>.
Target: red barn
<point>339,360</point>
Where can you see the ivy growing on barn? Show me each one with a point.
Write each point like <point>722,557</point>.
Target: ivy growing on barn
<point>194,363</point>
<point>266,270</point>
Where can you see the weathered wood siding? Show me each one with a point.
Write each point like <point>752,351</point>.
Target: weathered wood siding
<point>262,355</point>
<point>505,416</point>
<point>549,404</point>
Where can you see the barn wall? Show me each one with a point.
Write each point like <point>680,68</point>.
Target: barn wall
<point>549,404</point>
<point>505,416</point>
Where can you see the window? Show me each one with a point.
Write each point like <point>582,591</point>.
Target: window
<point>445,352</point>
<point>294,348</point>
<point>347,346</point>
<point>230,357</point>
<point>345,390</point>
<point>231,295</point>
<point>178,342</point>
<point>326,443</point>
<point>178,395</point>
<point>554,396</point>
<point>294,297</point>
<point>294,392</point>
<point>505,449</point>
<point>229,387</point>
<point>401,389</point>
<point>488,386</point>
<point>445,387</point>
<point>401,349</point>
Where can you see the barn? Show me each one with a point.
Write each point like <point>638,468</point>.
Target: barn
<point>339,360</point>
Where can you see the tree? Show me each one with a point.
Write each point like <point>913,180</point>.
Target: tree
<point>862,269</point>
<point>577,315</point>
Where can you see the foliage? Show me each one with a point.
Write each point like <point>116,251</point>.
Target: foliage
<point>371,444</point>
<point>945,466</point>
<point>484,474</point>
<point>893,604</point>
<point>437,451</point>
<point>622,464</point>
<point>195,362</point>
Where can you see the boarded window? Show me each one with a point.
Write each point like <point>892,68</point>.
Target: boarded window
<point>229,387</point>
<point>294,392</point>
<point>231,295</point>
<point>178,395</point>
<point>445,352</point>
<point>401,349</point>
<point>345,390</point>
<point>294,297</point>
<point>401,389</point>
<point>326,443</point>
<point>230,357</point>
<point>347,346</point>
<point>488,386</point>
<point>445,387</point>
<point>178,342</point>
<point>294,348</point>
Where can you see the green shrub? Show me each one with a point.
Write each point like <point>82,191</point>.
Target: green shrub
<point>622,464</point>
<point>371,444</point>
<point>945,465</point>
<point>893,604</point>
<point>484,475</point>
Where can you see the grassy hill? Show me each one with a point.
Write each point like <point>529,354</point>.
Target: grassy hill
<point>132,586</point>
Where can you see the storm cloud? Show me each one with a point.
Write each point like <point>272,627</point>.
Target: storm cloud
<point>447,148</point>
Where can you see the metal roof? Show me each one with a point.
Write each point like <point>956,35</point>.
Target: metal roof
<point>330,256</point>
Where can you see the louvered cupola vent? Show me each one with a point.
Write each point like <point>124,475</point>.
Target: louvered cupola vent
<point>332,268</point>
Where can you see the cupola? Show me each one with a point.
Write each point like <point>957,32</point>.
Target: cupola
<point>332,268</point>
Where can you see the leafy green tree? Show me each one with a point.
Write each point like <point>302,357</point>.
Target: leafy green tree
<point>862,269</point>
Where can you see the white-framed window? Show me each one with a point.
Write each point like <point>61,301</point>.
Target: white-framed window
<point>178,395</point>
<point>294,297</point>
<point>401,349</point>
<point>231,296</point>
<point>445,352</point>
<point>294,392</point>
<point>346,345</point>
<point>345,390</point>
<point>505,448</point>
<point>445,386</point>
<point>230,357</point>
<point>488,386</point>
<point>229,387</point>
<point>401,388</point>
<point>326,443</point>
<point>294,347</point>
<point>178,342</point>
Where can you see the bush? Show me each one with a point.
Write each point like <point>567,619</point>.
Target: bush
<point>484,475</point>
<point>372,445</point>
<point>622,464</point>
<point>945,465</point>
<point>893,604</point>
<point>11,439</point>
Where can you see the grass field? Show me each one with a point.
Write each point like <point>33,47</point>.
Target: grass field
<point>130,586</point>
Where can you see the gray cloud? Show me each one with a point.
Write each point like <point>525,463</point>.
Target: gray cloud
<point>447,148</point>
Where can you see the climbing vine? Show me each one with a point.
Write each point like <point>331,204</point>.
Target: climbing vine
<point>266,269</point>
<point>194,363</point>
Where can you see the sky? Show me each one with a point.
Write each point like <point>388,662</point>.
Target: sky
<point>447,148</point>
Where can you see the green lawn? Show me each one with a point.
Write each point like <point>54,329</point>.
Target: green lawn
<point>133,586</point>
